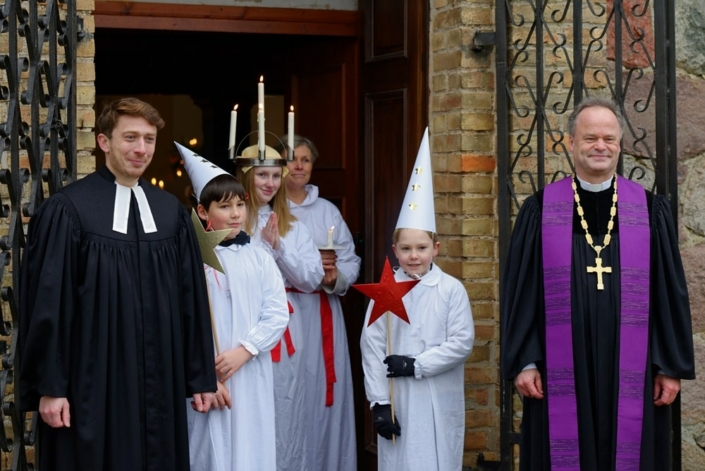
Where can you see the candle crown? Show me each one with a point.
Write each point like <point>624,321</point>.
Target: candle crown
<point>251,157</point>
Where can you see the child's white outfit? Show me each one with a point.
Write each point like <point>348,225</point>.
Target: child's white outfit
<point>250,309</point>
<point>430,406</point>
<point>300,265</point>
<point>329,391</point>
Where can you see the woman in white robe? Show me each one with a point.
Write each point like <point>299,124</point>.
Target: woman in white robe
<point>329,391</point>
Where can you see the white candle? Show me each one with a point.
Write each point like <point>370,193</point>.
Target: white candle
<point>233,125</point>
<point>260,92</point>
<point>330,236</point>
<point>260,132</point>
<point>291,131</point>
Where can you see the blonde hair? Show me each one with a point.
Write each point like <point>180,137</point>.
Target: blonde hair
<point>279,204</point>
<point>397,234</point>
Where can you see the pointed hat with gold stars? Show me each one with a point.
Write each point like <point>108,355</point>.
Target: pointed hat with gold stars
<point>200,170</point>
<point>418,210</point>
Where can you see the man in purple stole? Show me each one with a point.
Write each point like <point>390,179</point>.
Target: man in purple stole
<point>597,328</point>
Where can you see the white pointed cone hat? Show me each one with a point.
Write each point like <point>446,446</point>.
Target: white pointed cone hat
<point>199,169</point>
<point>418,209</point>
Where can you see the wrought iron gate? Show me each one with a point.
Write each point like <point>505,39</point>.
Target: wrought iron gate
<point>38,42</point>
<point>552,54</point>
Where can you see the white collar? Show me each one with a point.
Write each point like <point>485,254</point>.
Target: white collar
<point>594,187</point>
<point>121,211</point>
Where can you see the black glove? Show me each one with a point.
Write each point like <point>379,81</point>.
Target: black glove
<point>399,365</point>
<point>382,418</point>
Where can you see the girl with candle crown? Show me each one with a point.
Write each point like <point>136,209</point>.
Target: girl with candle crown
<point>275,229</point>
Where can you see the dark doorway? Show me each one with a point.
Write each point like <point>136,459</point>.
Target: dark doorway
<point>197,77</point>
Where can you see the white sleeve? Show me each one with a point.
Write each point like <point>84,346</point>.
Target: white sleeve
<point>373,345</point>
<point>459,340</point>
<point>299,259</point>
<point>274,313</point>
<point>348,263</point>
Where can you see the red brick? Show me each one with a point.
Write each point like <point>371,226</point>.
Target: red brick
<point>478,163</point>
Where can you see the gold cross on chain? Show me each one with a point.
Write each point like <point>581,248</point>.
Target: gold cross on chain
<point>599,269</point>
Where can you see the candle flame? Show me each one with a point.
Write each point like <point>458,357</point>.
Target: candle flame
<point>331,228</point>
<point>235,108</point>
<point>261,78</point>
<point>292,108</point>
<point>260,106</point>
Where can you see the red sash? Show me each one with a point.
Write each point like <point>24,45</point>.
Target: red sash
<point>327,341</point>
<point>277,350</point>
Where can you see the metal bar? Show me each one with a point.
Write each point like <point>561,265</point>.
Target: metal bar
<point>672,182</point>
<point>578,69</point>
<point>504,210</point>
<point>618,98</point>
<point>540,96</point>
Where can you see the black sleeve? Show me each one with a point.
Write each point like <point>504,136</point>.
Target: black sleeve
<point>522,294</point>
<point>47,301</point>
<point>671,328</point>
<point>199,361</point>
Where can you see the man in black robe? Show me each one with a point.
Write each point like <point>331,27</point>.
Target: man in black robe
<point>592,380</point>
<point>114,331</point>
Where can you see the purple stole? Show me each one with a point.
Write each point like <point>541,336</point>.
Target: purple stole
<point>634,259</point>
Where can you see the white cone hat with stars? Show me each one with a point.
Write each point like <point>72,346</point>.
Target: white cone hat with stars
<point>418,210</point>
<point>200,170</point>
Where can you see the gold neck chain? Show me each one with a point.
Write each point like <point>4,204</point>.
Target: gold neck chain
<point>598,269</point>
<point>610,224</point>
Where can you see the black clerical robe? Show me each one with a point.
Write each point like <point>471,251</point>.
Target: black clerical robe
<point>595,327</point>
<point>116,323</point>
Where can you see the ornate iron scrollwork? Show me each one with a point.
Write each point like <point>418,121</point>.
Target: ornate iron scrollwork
<point>37,146</point>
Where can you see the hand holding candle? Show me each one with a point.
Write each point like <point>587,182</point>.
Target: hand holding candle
<point>329,242</point>
<point>233,126</point>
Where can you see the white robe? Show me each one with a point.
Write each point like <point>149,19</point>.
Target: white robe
<point>249,308</point>
<point>430,406</point>
<point>331,441</point>
<point>299,261</point>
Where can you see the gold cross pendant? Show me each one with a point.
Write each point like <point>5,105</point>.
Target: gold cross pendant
<point>599,269</point>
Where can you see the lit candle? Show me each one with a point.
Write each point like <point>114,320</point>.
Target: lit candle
<point>330,236</point>
<point>291,131</point>
<point>260,133</point>
<point>233,125</point>
<point>260,92</point>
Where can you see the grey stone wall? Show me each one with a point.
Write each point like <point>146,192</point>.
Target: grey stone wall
<point>690,47</point>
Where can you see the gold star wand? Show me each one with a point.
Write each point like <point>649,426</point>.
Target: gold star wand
<point>207,241</point>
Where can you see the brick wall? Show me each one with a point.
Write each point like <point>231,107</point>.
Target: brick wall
<point>85,91</point>
<point>465,181</point>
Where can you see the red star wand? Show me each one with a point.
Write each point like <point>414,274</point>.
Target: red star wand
<point>387,296</point>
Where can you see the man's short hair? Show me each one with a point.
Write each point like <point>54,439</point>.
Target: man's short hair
<point>596,102</point>
<point>108,118</point>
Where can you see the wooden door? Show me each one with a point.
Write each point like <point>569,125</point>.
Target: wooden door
<point>394,92</point>
<point>325,93</point>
